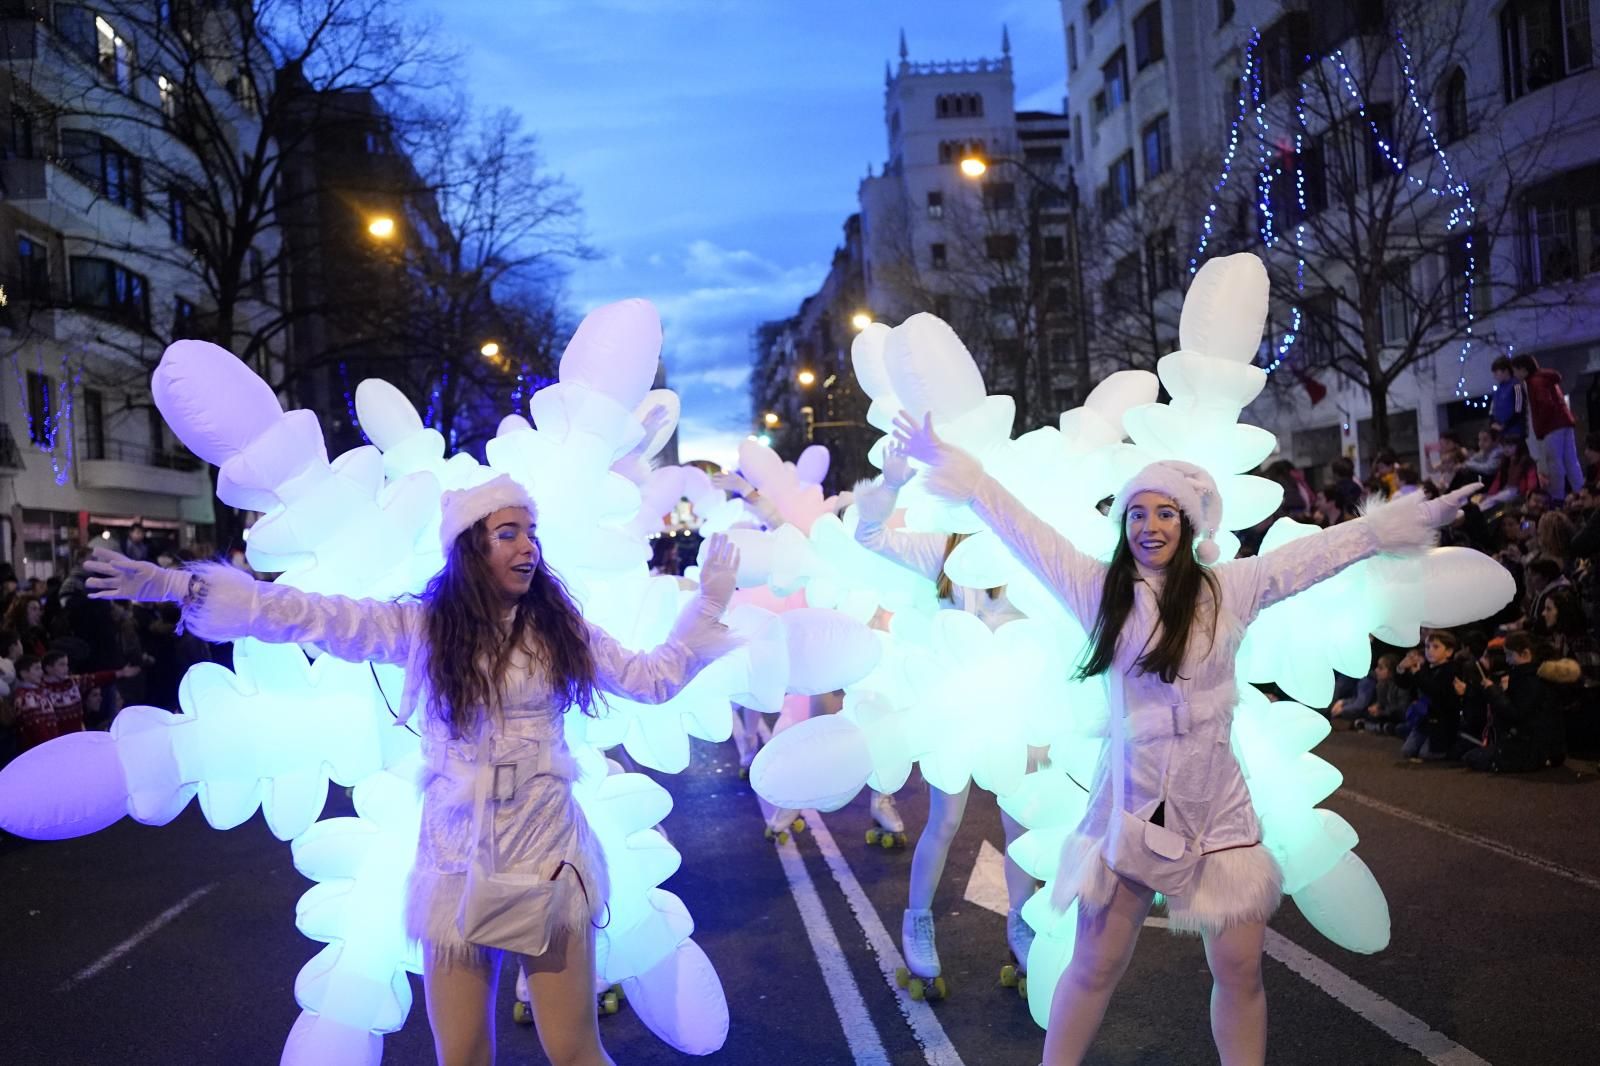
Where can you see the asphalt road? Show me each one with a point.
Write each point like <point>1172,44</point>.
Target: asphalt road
<point>1493,885</point>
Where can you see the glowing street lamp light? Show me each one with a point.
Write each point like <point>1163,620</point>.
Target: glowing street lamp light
<point>806,377</point>
<point>381,227</point>
<point>974,167</point>
<point>489,350</point>
<point>860,320</point>
<point>770,418</point>
<point>765,439</point>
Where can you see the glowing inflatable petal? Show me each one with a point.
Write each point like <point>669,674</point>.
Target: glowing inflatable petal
<point>680,999</point>
<point>1120,391</point>
<point>1461,585</point>
<point>615,351</point>
<point>866,358</point>
<point>67,787</point>
<point>1225,309</point>
<point>931,370</point>
<point>512,424</point>
<point>827,650</point>
<point>812,466</point>
<point>212,400</point>
<point>1047,961</point>
<point>821,762</point>
<point>315,1041</point>
<point>1347,906</point>
<point>669,402</point>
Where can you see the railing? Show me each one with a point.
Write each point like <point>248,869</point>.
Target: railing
<point>123,452</point>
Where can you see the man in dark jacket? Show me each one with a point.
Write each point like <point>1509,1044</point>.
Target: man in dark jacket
<point>1552,423</point>
<point>1515,705</point>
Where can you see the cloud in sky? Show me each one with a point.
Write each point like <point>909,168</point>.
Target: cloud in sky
<point>718,146</point>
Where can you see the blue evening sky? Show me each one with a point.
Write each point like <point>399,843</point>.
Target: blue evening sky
<point>718,144</point>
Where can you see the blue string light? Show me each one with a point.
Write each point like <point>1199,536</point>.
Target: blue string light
<point>57,415</point>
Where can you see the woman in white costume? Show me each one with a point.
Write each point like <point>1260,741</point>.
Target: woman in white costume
<point>1168,810</point>
<point>506,861</point>
<point>925,554</point>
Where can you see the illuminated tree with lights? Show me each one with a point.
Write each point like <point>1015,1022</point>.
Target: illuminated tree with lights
<point>1347,161</point>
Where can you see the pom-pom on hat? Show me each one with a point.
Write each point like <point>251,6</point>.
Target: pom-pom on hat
<point>463,507</point>
<point>1192,489</point>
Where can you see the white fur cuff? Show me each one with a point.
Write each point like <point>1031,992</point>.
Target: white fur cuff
<point>1402,525</point>
<point>956,478</point>
<point>875,501</point>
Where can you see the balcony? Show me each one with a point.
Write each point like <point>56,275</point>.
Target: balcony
<point>130,467</point>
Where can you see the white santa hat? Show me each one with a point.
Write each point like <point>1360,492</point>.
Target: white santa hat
<point>463,507</point>
<point>1192,489</point>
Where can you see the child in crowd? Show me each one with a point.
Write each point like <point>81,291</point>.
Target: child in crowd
<point>1552,426</point>
<point>1431,675</point>
<point>64,690</point>
<point>36,718</point>
<point>1508,408</point>
<point>1517,701</point>
<point>1378,704</point>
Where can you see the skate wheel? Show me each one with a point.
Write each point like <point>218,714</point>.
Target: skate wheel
<point>917,989</point>
<point>1022,986</point>
<point>799,824</point>
<point>886,841</point>
<point>744,773</point>
<point>939,988</point>
<point>782,837</point>
<point>609,1003</point>
<point>872,836</point>
<point>1008,976</point>
<point>900,840</point>
<point>522,1013</point>
<point>902,976</point>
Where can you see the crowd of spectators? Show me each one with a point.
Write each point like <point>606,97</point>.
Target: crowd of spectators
<point>69,662</point>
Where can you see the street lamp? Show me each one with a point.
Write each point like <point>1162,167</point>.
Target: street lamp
<point>770,418</point>
<point>806,378</point>
<point>489,350</point>
<point>861,320</point>
<point>382,227</point>
<point>975,167</point>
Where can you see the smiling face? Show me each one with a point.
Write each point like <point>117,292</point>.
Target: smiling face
<point>513,550</point>
<point>1153,525</point>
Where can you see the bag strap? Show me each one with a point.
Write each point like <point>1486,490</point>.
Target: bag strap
<point>1116,700</point>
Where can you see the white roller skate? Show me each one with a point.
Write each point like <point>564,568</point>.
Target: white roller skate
<point>920,975</point>
<point>889,830</point>
<point>1019,937</point>
<point>783,822</point>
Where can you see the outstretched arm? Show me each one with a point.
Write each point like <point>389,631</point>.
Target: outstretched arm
<point>222,603</point>
<point>1404,524</point>
<point>922,553</point>
<point>698,637</point>
<point>1075,577</point>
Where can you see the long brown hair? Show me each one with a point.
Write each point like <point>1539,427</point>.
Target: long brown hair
<point>944,586</point>
<point>1175,608</point>
<point>469,652</point>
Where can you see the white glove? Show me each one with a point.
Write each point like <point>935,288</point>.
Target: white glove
<point>1443,511</point>
<point>733,484</point>
<point>719,571</point>
<point>953,473</point>
<point>896,467</point>
<point>114,576</point>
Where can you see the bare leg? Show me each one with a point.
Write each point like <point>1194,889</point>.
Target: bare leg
<point>460,1000</point>
<point>1019,882</point>
<point>561,984</point>
<point>1238,998</point>
<point>1100,957</point>
<point>945,812</point>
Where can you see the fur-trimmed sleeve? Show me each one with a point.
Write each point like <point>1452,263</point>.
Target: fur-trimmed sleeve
<point>1076,578</point>
<point>922,553</point>
<point>226,604</point>
<point>697,639</point>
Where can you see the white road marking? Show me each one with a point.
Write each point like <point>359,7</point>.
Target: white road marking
<point>936,1046</point>
<point>1398,1023</point>
<point>865,1047</point>
<point>1467,837</point>
<point>150,929</point>
<point>986,887</point>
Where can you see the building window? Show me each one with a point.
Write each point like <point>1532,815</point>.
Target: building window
<point>1455,106</point>
<point>1161,260</point>
<point>1148,44</point>
<point>958,105</point>
<point>1120,183</point>
<point>1157,148</point>
<point>158,432</point>
<point>1055,249</point>
<point>177,216</point>
<point>1055,298</point>
<point>939,256</point>
<point>166,94</point>
<point>105,166</point>
<point>941,305</point>
<point>41,403</point>
<point>956,151</point>
<point>1121,287</point>
<point>999,196</point>
<point>182,318</point>
<point>94,425</point>
<point>1072,48</point>
<point>19,145</point>
<point>33,269</point>
<point>1543,41</point>
<point>1224,12</point>
<point>101,285</point>
<point>1003,297</point>
<point>258,275</point>
<point>113,55</point>
<point>243,91</point>
<point>1467,275</point>
<point>1394,305</point>
<point>1562,219</point>
<point>76,25</point>
<point>935,204</point>
<point>1077,138</point>
<point>1284,51</point>
<point>1095,8</point>
<point>1001,247</point>
<point>1115,77</point>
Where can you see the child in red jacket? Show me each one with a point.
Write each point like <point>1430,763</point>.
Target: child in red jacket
<point>1552,424</point>
<point>36,717</point>
<point>65,691</point>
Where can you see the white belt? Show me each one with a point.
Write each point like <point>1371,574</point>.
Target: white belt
<point>506,776</point>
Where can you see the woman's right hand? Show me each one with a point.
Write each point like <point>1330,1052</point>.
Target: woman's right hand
<point>732,484</point>
<point>896,467</point>
<point>114,576</point>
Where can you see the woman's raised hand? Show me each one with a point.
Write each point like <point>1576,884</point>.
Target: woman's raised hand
<point>918,440</point>
<point>732,484</point>
<point>1443,511</point>
<point>896,467</point>
<point>114,576</point>
<point>719,570</point>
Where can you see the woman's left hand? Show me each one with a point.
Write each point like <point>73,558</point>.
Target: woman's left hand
<point>720,570</point>
<point>1445,509</point>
